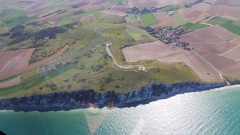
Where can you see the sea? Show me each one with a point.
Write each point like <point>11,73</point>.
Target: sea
<point>213,112</point>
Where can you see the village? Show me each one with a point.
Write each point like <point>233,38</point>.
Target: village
<point>140,11</point>
<point>170,36</point>
<point>189,5</point>
<point>136,10</point>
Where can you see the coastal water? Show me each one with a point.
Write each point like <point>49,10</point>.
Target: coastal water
<point>215,112</point>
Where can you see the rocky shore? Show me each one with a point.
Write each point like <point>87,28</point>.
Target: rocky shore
<point>90,98</point>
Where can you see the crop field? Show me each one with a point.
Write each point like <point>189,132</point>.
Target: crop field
<point>224,10</point>
<point>231,27</point>
<point>154,3</point>
<point>15,4</point>
<point>11,82</point>
<point>149,19</point>
<point>131,18</point>
<point>228,24</point>
<point>142,3</point>
<point>180,18</point>
<point>118,2</point>
<point>220,49</point>
<point>168,8</point>
<point>13,17</point>
<point>218,20</point>
<point>164,20</point>
<point>166,54</point>
<point>195,26</point>
<point>138,34</point>
<point>228,2</point>
<point>237,23</point>
<point>34,81</point>
<point>208,35</point>
<point>14,60</point>
<point>63,48</point>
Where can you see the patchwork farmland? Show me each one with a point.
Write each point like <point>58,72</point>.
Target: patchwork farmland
<point>60,45</point>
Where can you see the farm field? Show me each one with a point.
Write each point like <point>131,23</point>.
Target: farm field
<point>149,19</point>
<point>166,54</point>
<point>66,45</point>
<point>14,60</point>
<point>195,26</point>
<point>231,27</point>
<point>118,2</point>
<point>165,20</point>
<point>138,34</point>
<point>180,18</point>
<point>224,10</point>
<point>18,64</point>
<point>219,50</point>
<point>131,18</point>
<point>10,82</point>
<point>154,3</point>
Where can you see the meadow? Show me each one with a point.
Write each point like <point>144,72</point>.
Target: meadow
<point>149,19</point>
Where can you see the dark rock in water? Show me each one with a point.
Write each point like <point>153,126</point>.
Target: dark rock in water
<point>87,98</point>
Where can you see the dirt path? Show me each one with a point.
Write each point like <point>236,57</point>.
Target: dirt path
<point>140,67</point>
<point>220,74</point>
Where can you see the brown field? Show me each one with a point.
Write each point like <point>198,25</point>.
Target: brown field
<point>14,60</point>
<point>154,3</point>
<point>233,54</point>
<point>18,67</point>
<point>210,1</point>
<point>218,46</point>
<point>142,3</point>
<point>11,82</point>
<point>200,18</point>
<point>227,2</point>
<point>225,10</point>
<point>209,35</point>
<point>195,15</point>
<point>106,5</point>
<point>118,10</point>
<point>192,15</point>
<point>159,51</point>
<point>197,12</point>
<point>164,19</point>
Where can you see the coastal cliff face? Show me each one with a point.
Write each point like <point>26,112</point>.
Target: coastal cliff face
<point>90,98</point>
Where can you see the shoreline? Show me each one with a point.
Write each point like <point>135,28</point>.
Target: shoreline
<point>82,99</point>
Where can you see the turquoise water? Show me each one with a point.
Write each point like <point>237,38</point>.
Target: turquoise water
<point>204,113</point>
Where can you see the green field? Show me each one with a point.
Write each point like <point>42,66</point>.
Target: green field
<point>138,34</point>
<point>117,2</point>
<point>9,78</point>
<point>195,26</point>
<point>237,23</point>
<point>13,17</point>
<point>231,27</point>
<point>181,19</point>
<point>149,19</point>
<point>168,8</point>
<point>218,20</point>
<point>71,19</point>
<point>34,81</point>
<point>131,18</point>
